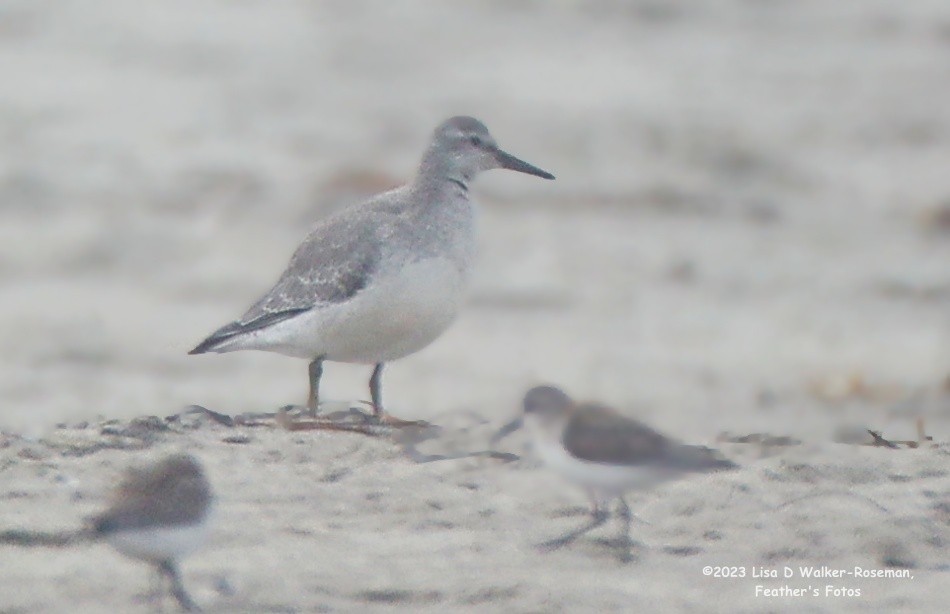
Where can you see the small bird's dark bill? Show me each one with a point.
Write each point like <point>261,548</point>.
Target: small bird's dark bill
<point>506,430</point>
<point>506,160</point>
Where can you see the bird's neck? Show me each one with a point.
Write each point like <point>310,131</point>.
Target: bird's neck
<point>440,172</point>
<point>441,187</point>
<point>551,429</point>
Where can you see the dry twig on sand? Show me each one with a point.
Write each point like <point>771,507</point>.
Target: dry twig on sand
<point>897,444</point>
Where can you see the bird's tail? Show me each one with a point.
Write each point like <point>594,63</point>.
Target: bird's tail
<point>235,329</point>
<point>701,458</point>
<point>215,339</point>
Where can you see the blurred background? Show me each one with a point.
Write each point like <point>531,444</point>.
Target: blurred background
<point>750,228</point>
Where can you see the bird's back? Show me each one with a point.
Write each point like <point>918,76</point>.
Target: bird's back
<point>342,254</point>
<point>170,493</point>
<point>599,434</point>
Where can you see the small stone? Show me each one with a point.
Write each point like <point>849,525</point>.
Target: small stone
<point>30,453</point>
<point>148,423</point>
<point>240,438</point>
<point>896,555</point>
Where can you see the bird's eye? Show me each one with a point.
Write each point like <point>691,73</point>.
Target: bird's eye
<point>475,140</point>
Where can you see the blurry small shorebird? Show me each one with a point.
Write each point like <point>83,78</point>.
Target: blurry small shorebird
<point>384,278</point>
<point>159,514</point>
<point>604,453</point>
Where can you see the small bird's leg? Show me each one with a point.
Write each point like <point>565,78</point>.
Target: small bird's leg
<point>316,372</point>
<point>156,590</point>
<point>599,517</point>
<point>169,569</point>
<point>594,502</point>
<point>626,544</point>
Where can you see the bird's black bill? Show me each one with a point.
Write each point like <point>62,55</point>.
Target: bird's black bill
<point>506,160</point>
<point>506,430</point>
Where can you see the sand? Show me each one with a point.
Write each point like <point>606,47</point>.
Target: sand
<point>748,234</point>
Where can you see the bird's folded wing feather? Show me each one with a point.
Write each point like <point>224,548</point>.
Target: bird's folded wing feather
<point>601,435</point>
<point>336,261</point>
<point>183,502</point>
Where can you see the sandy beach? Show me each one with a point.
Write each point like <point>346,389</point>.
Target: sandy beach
<point>746,247</point>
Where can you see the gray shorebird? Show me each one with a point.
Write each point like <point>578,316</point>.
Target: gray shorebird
<point>159,514</point>
<point>384,278</point>
<point>605,453</point>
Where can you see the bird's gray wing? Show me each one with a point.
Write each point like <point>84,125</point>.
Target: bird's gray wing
<point>335,262</point>
<point>601,435</point>
<point>185,502</point>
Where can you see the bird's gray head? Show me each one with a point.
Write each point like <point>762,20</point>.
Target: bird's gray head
<point>181,465</point>
<point>462,147</point>
<point>545,408</point>
<point>547,402</point>
<point>165,474</point>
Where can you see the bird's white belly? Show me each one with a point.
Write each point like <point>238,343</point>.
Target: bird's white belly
<point>399,313</point>
<point>160,543</point>
<point>600,477</point>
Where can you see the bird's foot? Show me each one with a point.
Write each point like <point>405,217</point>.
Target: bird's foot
<point>553,544</point>
<point>351,420</point>
<point>597,519</point>
<point>625,550</point>
<point>624,546</point>
<point>382,417</point>
<point>390,420</point>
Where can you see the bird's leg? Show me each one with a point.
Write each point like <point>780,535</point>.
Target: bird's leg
<point>316,372</point>
<point>626,544</point>
<point>156,589</point>
<point>599,517</point>
<point>170,570</point>
<point>342,421</point>
<point>594,502</point>
<point>376,390</point>
<point>376,395</point>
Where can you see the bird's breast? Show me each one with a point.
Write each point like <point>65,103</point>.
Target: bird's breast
<point>406,307</point>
